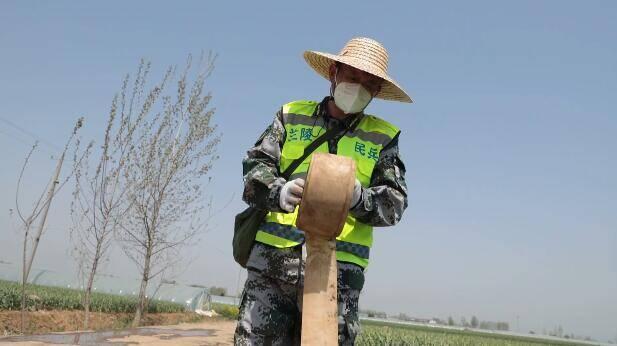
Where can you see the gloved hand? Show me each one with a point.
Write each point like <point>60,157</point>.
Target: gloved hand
<point>357,194</point>
<point>291,193</point>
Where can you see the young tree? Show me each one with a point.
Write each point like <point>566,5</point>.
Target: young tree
<point>175,150</point>
<point>464,322</point>
<point>474,322</point>
<point>99,199</point>
<point>503,326</point>
<point>403,317</point>
<point>38,214</point>
<point>450,321</point>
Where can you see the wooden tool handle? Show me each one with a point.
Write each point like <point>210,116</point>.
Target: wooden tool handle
<point>322,215</point>
<point>320,308</point>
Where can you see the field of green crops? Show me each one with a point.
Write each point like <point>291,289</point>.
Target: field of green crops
<point>375,333</point>
<point>56,298</point>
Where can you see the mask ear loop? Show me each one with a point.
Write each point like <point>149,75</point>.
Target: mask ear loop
<point>321,110</point>
<point>332,87</point>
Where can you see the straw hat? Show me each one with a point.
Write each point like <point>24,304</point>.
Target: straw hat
<point>364,54</point>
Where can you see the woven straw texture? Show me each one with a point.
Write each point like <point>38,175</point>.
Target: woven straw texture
<point>364,54</point>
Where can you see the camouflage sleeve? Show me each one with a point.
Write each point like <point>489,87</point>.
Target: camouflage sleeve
<point>262,184</point>
<point>384,201</point>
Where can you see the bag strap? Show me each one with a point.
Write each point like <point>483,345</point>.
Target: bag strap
<point>316,143</point>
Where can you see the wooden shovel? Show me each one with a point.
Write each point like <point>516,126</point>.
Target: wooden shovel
<point>323,210</point>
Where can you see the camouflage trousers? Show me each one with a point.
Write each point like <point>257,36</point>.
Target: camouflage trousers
<point>271,303</point>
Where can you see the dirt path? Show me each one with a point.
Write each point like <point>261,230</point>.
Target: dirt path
<point>210,332</point>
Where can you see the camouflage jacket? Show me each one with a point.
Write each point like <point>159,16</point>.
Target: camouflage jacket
<point>383,202</point>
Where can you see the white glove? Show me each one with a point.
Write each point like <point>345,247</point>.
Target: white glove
<point>357,194</point>
<point>291,193</point>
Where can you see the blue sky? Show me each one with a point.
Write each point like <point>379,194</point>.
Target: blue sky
<point>510,146</point>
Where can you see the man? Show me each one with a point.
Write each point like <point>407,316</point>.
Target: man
<point>271,304</point>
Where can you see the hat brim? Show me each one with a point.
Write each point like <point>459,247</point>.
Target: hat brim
<point>390,90</point>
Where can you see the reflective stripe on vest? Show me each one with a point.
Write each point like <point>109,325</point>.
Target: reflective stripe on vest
<point>363,145</point>
<point>292,233</point>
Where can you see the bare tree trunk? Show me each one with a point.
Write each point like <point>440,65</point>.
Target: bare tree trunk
<point>24,280</point>
<point>142,289</point>
<point>27,264</point>
<point>50,196</point>
<point>86,308</point>
<point>38,213</point>
<point>88,293</point>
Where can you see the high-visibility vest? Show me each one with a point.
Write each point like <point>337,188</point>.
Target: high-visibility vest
<point>363,145</point>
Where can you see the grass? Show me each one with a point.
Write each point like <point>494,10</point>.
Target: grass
<point>226,311</point>
<point>383,333</point>
<point>58,298</point>
<point>373,332</point>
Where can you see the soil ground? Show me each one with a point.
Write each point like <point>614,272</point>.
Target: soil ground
<point>110,329</point>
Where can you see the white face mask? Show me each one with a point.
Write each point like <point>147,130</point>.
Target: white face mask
<point>351,97</point>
